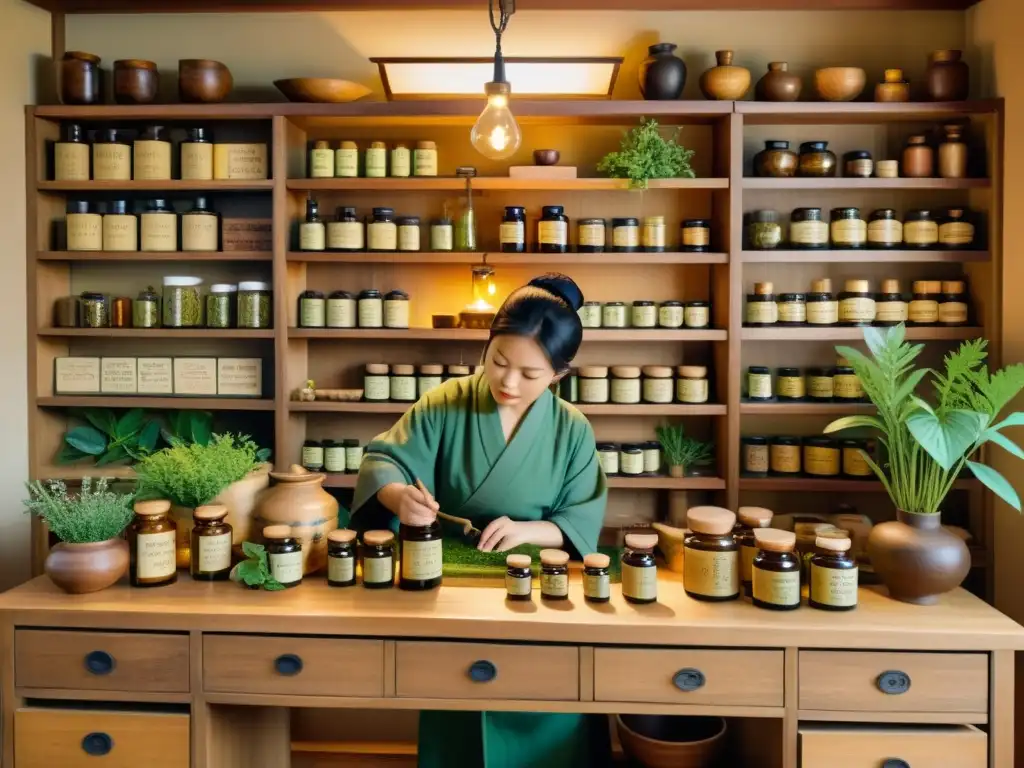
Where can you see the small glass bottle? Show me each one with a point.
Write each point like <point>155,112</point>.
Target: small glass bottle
<point>956,229</point>
<point>197,156</point>
<point>220,305</point>
<point>656,386</point>
<point>608,458</point>
<point>341,558</point>
<point>749,519</point>
<point>376,166</point>
<point>210,544</point>
<point>554,574</point>
<point>625,235</point>
<point>858,164</point>
<point>784,456</point>
<point>631,459</point>
<point>792,309</point>
<point>120,312</point>
<point>334,456</point>
<point>847,229</point>
<point>790,385</point>
<point>920,230</point>
<point>421,555</point>
<point>953,303</point>
<point>254,305</point>
<point>95,310</point>
<point>692,384</point>
<point>312,310</point>
<point>403,383</point>
<point>146,309</point>
<point>120,228</point>
<point>763,230</point>
<point>590,314</point>
<point>84,228</point>
<point>625,384</point>
<point>401,161</point>
<point>776,571</point>
<point>755,455</point>
<point>425,159</point>
<point>159,227</point>
<point>807,229</point>
<point>284,553</point>
<point>819,385</point>
<point>378,559</point>
<point>613,314</point>
<point>670,315</point>
<point>833,575</point>
<point>377,383</point>
<point>644,314</point>
<point>695,235</point>
<point>590,235</point>
<point>924,306</point>
<point>890,306</point>
<point>382,231</point>
<point>346,160</point>
<point>151,545</point>
<point>761,308</point>
<point>312,232</point>
<point>884,229</point>
<point>200,227</point>
<point>396,309</point>
<point>512,232</point>
<point>442,234</point>
<point>353,455</point>
<point>822,306</point>
<point>111,158</point>
<point>71,155</point>
<point>152,155</point>
<point>856,303</point>
<point>518,578</point>
<point>653,236</point>
<point>697,314</point>
<point>759,383</point>
<point>370,309</point>
<point>596,579</point>
<point>347,234</point>
<point>313,455</point>
<point>408,233</point>
<point>553,230</point>
<point>430,375</point>
<point>341,310</point>
<point>182,305</point>
<point>639,569</point>
<point>711,568</point>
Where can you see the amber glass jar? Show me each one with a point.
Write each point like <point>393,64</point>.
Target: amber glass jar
<point>920,230</point>
<point>918,158</point>
<point>554,574</point>
<point>285,554</point>
<point>822,305</point>
<point>884,229</point>
<point>856,304</point>
<point>855,466</point>
<point>695,235</point>
<point>211,544</point>
<point>821,456</point>
<point>151,542</point>
<point>421,556</point>
<point>761,308</point>
<point>833,576</point>
<point>956,230</point>
<point>816,160</point>
<point>378,559</point>
<point>591,235</point>
<point>792,309</point>
<point>748,519</point>
<point>518,578</point>
<point>784,456</point>
<point>953,303</point>
<point>847,229</point>
<point>807,229</point>
<point>846,386</point>
<point>652,236</point>
<point>639,569</point>
<point>596,579</point>
<point>924,306</point>
<point>890,306</point>
<point>341,558</point>
<point>776,571</point>
<point>711,556</point>
<point>755,456</point>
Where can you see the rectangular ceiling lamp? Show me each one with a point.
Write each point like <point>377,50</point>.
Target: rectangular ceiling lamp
<point>539,78</point>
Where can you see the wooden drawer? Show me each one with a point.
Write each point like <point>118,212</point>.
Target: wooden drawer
<point>487,671</point>
<point>102,661</point>
<point>894,682</point>
<point>301,666</point>
<point>729,678</point>
<point>845,746</point>
<point>48,738</point>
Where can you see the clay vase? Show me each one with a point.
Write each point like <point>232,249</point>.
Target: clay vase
<point>947,78</point>
<point>662,73</point>
<point>779,84</point>
<point>894,88</point>
<point>135,81</point>
<point>82,568</point>
<point>776,160</point>
<point>299,501</point>
<point>240,498</point>
<point>725,82</point>
<point>917,559</point>
<point>80,78</point>
<point>203,81</point>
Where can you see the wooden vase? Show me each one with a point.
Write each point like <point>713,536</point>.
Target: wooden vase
<point>893,88</point>
<point>725,82</point>
<point>948,78</point>
<point>778,84</point>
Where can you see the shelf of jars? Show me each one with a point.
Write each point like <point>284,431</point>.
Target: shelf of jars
<point>654,483</point>
<point>494,183</point>
<point>494,258</point>
<point>148,256</point>
<point>588,409</point>
<point>867,112</point>
<point>165,185</point>
<point>802,408</point>
<point>464,334</point>
<point>862,256</point>
<point>181,402</point>
<point>161,333</point>
<point>856,333</point>
<point>846,183</point>
<point>829,485</point>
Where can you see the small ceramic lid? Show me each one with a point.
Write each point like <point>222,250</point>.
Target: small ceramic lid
<point>755,517</point>
<point>210,512</point>
<point>321,144</point>
<point>891,286</point>
<point>763,289</point>
<point>857,286</point>
<point>378,369</point>
<point>713,521</point>
<point>553,557</point>
<point>830,544</point>
<point>518,561</point>
<point>594,371</point>
<point>927,286</point>
<point>626,371</point>
<point>348,145</point>
<point>377,538</point>
<point>402,369</point>
<point>657,371</point>
<point>773,540</point>
<point>152,507</point>
<point>278,532</point>
<point>341,535</point>
<point>596,560</point>
<point>692,371</point>
<point>641,540</point>
<point>431,369</point>
<point>821,285</point>
<point>953,286</point>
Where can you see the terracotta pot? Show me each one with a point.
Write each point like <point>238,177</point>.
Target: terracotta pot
<point>676,470</point>
<point>203,81</point>
<point>672,741</point>
<point>662,73</point>
<point>135,81</point>
<point>725,82</point>
<point>894,88</point>
<point>240,498</point>
<point>298,500</point>
<point>917,559</point>
<point>779,84</point>
<point>80,76</point>
<point>81,568</point>
<point>776,160</point>
<point>947,78</point>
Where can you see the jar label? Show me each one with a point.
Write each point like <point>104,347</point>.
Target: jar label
<point>854,463</point>
<point>197,161</point>
<point>409,237</point>
<point>697,317</point>
<point>396,313</point>
<point>885,232</point>
<point>626,391</point>
<point>920,232</point>
<point>341,569</point>
<point>382,236</point>
<point>923,311</point>
<point>654,235</point>
<point>792,312</point>
<point>626,236</point>
<point>759,385</point>
<point>425,161</point>
<point>353,458</point>
<point>836,587</point>
<point>152,160</point>
<point>590,316</point>
<point>286,567</point>
<point>401,160</point>
<point>376,387</point>
<point>346,163</point>
<point>111,162</point>
<point>652,460</point>
<point>762,312</point>
<point>820,387</point>
<point>311,313</point>
<point>696,237</point>
<point>847,386</point>
<point>711,574</point>
<point>71,161</point>
<point>345,236</point>
<point>597,587</point>
<point>861,167</point>
<point>670,317</point>
<point>371,313</point>
<point>552,232</point>
<point>514,585</point>
<point>820,461</point>
<point>312,456</point>
<point>791,386</point>
<point>341,313</point>
<point>512,232</point>
<point>440,236</point>
<point>84,231</point>
<point>593,390</point>
<point>613,316</point>
<point>555,585</point>
<point>951,312</point>
<point>755,458</point>
<point>857,310</point>
<point>426,383</point>
<point>890,311</point>
<point>403,388</point>
<point>334,459</point>
<point>591,235</point>
<point>214,553</point>
<point>956,233</point>
<point>378,570</point>
<point>849,231</point>
<point>692,390</point>
<point>421,560</point>
<point>747,555</point>
<point>658,390</point>
<point>199,232</point>
<point>155,555</point>
<point>120,233</point>
<point>776,588</point>
<point>785,458</point>
<point>823,312</point>
<point>376,162</point>
<point>640,582</point>
<point>644,316</point>
<point>312,236</point>
<point>808,233</point>
<point>159,232</point>
<point>631,463</point>
<point>144,315</point>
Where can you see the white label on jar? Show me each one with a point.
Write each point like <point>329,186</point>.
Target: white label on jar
<point>286,567</point>
<point>692,390</point>
<point>792,312</point>
<point>861,167</point>
<point>409,237</point>
<point>597,587</point>
<point>670,316</point>
<point>312,236</point>
<point>152,160</point>
<point>652,460</point>
<point>155,555</point>
<point>378,570</point>
<point>849,231</point>
<point>857,310</point>
<point>441,237</point>
<point>403,388</point>
<point>920,233</point>
<point>425,161</point>
<point>553,232</point>
<point>627,236</point>
<point>776,588</point>
<point>645,316</point>
<point>214,553</point>
<point>159,232</point>
<point>834,586</point>
<point>923,311</point>
<point>341,569</point>
<point>593,390</point>
<point>353,457</point>
<point>376,387</point>
<point>345,236</point>
<point>613,316</point>
<point>197,161</point>
<point>759,385</point>
<point>515,585</point>
<point>199,232</point>
<point>711,574</point>
<point>382,236</point>
<point>654,235</point>
<point>341,313</point>
<point>626,391</point>
<point>822,312</point>
<point>426,383</point>
<point>847,386</point>
<point>631,463</point>
<point>111,162</point>
<point>311,313</point>
<point>401,160</point>
<point>699,317</point>
<point>334,459</point>
<point>346,163</point>
<point>554,585</point>
<point>371,313</point>
<point>696,237</point>
<point>421,560</point>
<point>511,232</point>
<point>312,456</point>
<point>890,311</point>
<point>747,555</point>
<point>951,312</point>
<point>376,162</point>
<point>591,235</point>
<point>84,231</point>
<point>808,233</point>
<point>396,313</point>
<point>71,161</point>
<point>639,583</point>
<point>321,163</point>
<point>885,231</point>
<point>765,312</point>
<point>120,233</point>
<point>956,233</point>
<point>657,390</point>
<point>609,461</point>
<point>590,316</point>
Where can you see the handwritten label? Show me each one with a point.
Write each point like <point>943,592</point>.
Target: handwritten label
<point>119,374</point>
<point>342,569</point>
<point>156,376</point>
<point>421,560</point>
<point>214,553</point>
<point>155,555</point>
<point>639,583</point>
<point>711,574</point>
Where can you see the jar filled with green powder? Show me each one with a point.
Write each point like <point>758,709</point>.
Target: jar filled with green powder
<point>95,310</point>
<point>220,305</point>
<point>255,308</point>
<point>183,307</point>
<point>146,309</point>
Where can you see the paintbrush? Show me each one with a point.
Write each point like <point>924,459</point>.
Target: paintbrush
<point>470,533</point>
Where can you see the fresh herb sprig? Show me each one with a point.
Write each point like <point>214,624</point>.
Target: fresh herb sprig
<point>645,154</point>
<point>255,571</point>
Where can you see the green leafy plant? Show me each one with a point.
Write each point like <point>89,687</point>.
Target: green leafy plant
<point>188,427</point>
<point>108,438</point>
<point>680,449</point>
<point>254,571</point>
<point>926,445</point>
<point>190,474</point>
<point>645,154</point>
<point>93,514</point>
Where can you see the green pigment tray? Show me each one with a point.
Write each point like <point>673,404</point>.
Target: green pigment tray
<point>464,561</point>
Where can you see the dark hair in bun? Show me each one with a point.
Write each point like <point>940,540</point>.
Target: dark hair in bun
<point>545,310</point>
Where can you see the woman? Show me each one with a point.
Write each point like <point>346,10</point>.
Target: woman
<point>500,449</point>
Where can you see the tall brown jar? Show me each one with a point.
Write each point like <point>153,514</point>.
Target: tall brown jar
<point>948,77</point>
<point>80,78</point>
<point>918,158</point>
<point>711,568</point>
<point>211,544</point>
<point>953,153</point>
<point>151,543</point>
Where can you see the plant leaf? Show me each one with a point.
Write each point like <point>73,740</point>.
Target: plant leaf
<point>200,426</point>
<point>946,439</point>
<point>116,453</point>
<point>991,436</point>
<point>148,436</point>
<point>251,549</point>
<point>102,418</point>
<point>130,423</point>
<point>996,483</point>
<point>272,585</point>
<point>877,340</point>
<point>849,422</point>
<point>923,405</point>
<point>249,572</point>
<point>69,454</point>
<point>88,440</point>
<point>1013,420</point>
<point>910,384</point>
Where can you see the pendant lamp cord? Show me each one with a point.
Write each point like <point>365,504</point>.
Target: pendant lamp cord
<point>499,22</point>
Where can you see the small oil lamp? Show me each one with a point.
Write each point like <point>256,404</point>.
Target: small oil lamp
<point>479,313</point>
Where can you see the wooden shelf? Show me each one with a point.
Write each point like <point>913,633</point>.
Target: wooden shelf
<point>168,403</point>
<point>674,409</point>
<point>804,409</point>
<point>173,185</point>
<point>172,256</point>
<point>631,483</point>
<point>162,333</point>
<point>845,112</point>
<point>861,256</point>
<point>497,259</point>
<point>828,485</point>
<point>461,334</point>
<point>840,333</point>
<point>76,472</point>
<point>853,184</point>
<point>495,183</point>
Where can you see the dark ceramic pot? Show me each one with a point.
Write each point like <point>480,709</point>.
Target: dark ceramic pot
<point>776,160</point>
<point>948,78</point>
<point>917,559</point>
<point>778,84</point>
<point>816,159</point>
<point>82,568</point>
<point>203,81</point>
<point>80,78</point>
<point>662,73</point>
<point>135,81</point>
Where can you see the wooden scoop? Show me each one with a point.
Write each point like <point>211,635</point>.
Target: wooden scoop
<point>470,533</point>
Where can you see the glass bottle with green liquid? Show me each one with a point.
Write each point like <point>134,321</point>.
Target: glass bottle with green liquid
<point>465,225</point>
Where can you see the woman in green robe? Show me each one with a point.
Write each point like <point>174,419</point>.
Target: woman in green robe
<point>500,449</point>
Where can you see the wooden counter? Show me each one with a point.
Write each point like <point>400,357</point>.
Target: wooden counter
<point>228,663</point>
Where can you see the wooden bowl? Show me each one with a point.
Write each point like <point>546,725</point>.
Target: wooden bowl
<point>839,83</point>
<point>321,90</point>
<point>672,741</point>
<point>546,156</point>
<point>203,81</point>
<point>135,81</point>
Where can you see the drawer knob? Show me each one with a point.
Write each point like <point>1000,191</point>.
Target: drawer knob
<point>689,679</point>
<point>893,682</point>
<point>97,744</point>
<point>288,664</point>
<point>895,762</point>
<point>482,671</point>
<point>99,663</point>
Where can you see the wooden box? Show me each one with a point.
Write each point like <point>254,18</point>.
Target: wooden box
<point>247,234</point>
<point>246,162</point>
<point>76,376</point>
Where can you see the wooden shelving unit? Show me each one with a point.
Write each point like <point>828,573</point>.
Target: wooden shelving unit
<point>175,257</point>
<point>496,259</point>
<point>864,256</point>
<point>857,334</point>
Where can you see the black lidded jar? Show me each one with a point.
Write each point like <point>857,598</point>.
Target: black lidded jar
<point>808,229</point>
<point>847,229</point>
<point>421,557</point>
<point>885,230</point>
<point>920,230</point>
<point>512,230</point>
<point>341,558</point>
<point>553,230</point>
<point>591,235</point>
<point>625,235</point>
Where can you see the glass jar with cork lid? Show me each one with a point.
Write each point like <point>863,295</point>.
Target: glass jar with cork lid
<point>625,384</point>
<point>341,558</point>
<point>890,305</point>
<point>596,578</point>
<point>711,569</point>
<point>378,559</point>
<point>692,384</point>
<point>953,308</point>
<point>761,308</point>
<point>518,578</point>
<point>593,384</point>
<point>421,556</point>
<point>321,160</point>
<point>639,568</point>
<point>211,544</point>
<point>657,384</point>
<point>554,574</point>
<point>833,575</point>
<point>151,545</point>
<point>822,306</point>
<point>425,159</point>
<point>749,519</point>
<point>377,383</point>
<point>924,306</point>
<point>856,303</point>
<point>775,571</point>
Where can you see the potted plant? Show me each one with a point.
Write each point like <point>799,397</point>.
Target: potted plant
<point>682,451</point>
<point>645,154</point>
<point>91,554</point>
<point>925,446</point>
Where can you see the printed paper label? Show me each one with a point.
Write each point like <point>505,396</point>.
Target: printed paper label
<point>554,585</point>
<point>639,583</point>
<point>286,567</point>
<point>155,555</point>
<point>421,560</point>
<point>341,569</point>
<point>834,586</point>
<point>341,313</point>
<point>378,570</point>
<point>214,553</point>
<point>711,574</point>
<point>776,588</point>
<point>517,586</point>
<point>71,161</point>
<point>197,161</point>
<point>596,586</point>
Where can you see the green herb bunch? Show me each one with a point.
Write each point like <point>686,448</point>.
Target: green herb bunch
<point>645,154</point>
<point>191,474</point>
<point>255,571</point>
<point>94,514</point>
<point>680,449</point>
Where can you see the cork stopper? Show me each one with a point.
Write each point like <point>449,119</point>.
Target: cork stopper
<point>772,540</point>
<point>321,144</point>
<point>377,538</point>
<point>278,532</point>
<point>830,544</point>
<point>658,371</point>
<point>641,540</point>
<point>755,517</point>
<point>594,371</point>
<point>692,371</point>
<point>927,286</point>
<point>553,557</point>
<point>402,369</point>
<point>348,145</point>
<point>153,507</point>
<point>341,535</point>
<point>378,145</point>
<point>857,286</point>
<point>210,512</point>
<point>518,561</point>
<point>626,371</point>
<point>822,285</point>
<point>953,286</point>
<point>891,286</point>
<point>812,529</point>
<point>764,289</point>
<point>596,560</point>
<point>431,369</point>
<point>458,370</point>
<point>714,521</point>
<point>378,369</point>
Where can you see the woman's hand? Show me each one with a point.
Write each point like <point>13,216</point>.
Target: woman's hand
<point>411,505</point>
<point>503,534</point>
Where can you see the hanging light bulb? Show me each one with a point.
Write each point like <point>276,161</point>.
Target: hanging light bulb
<point>496,133</point>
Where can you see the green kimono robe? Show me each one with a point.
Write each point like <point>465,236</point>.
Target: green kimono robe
<point>452,440</point>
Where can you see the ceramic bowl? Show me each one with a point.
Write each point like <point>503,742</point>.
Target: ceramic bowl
<point>672,741</point>
<point>203,81</point>
<point>839,83</point>
<point>321,90</point>
<point>546,156</point>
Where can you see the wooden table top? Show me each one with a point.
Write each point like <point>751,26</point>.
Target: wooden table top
<point>960,621</point>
